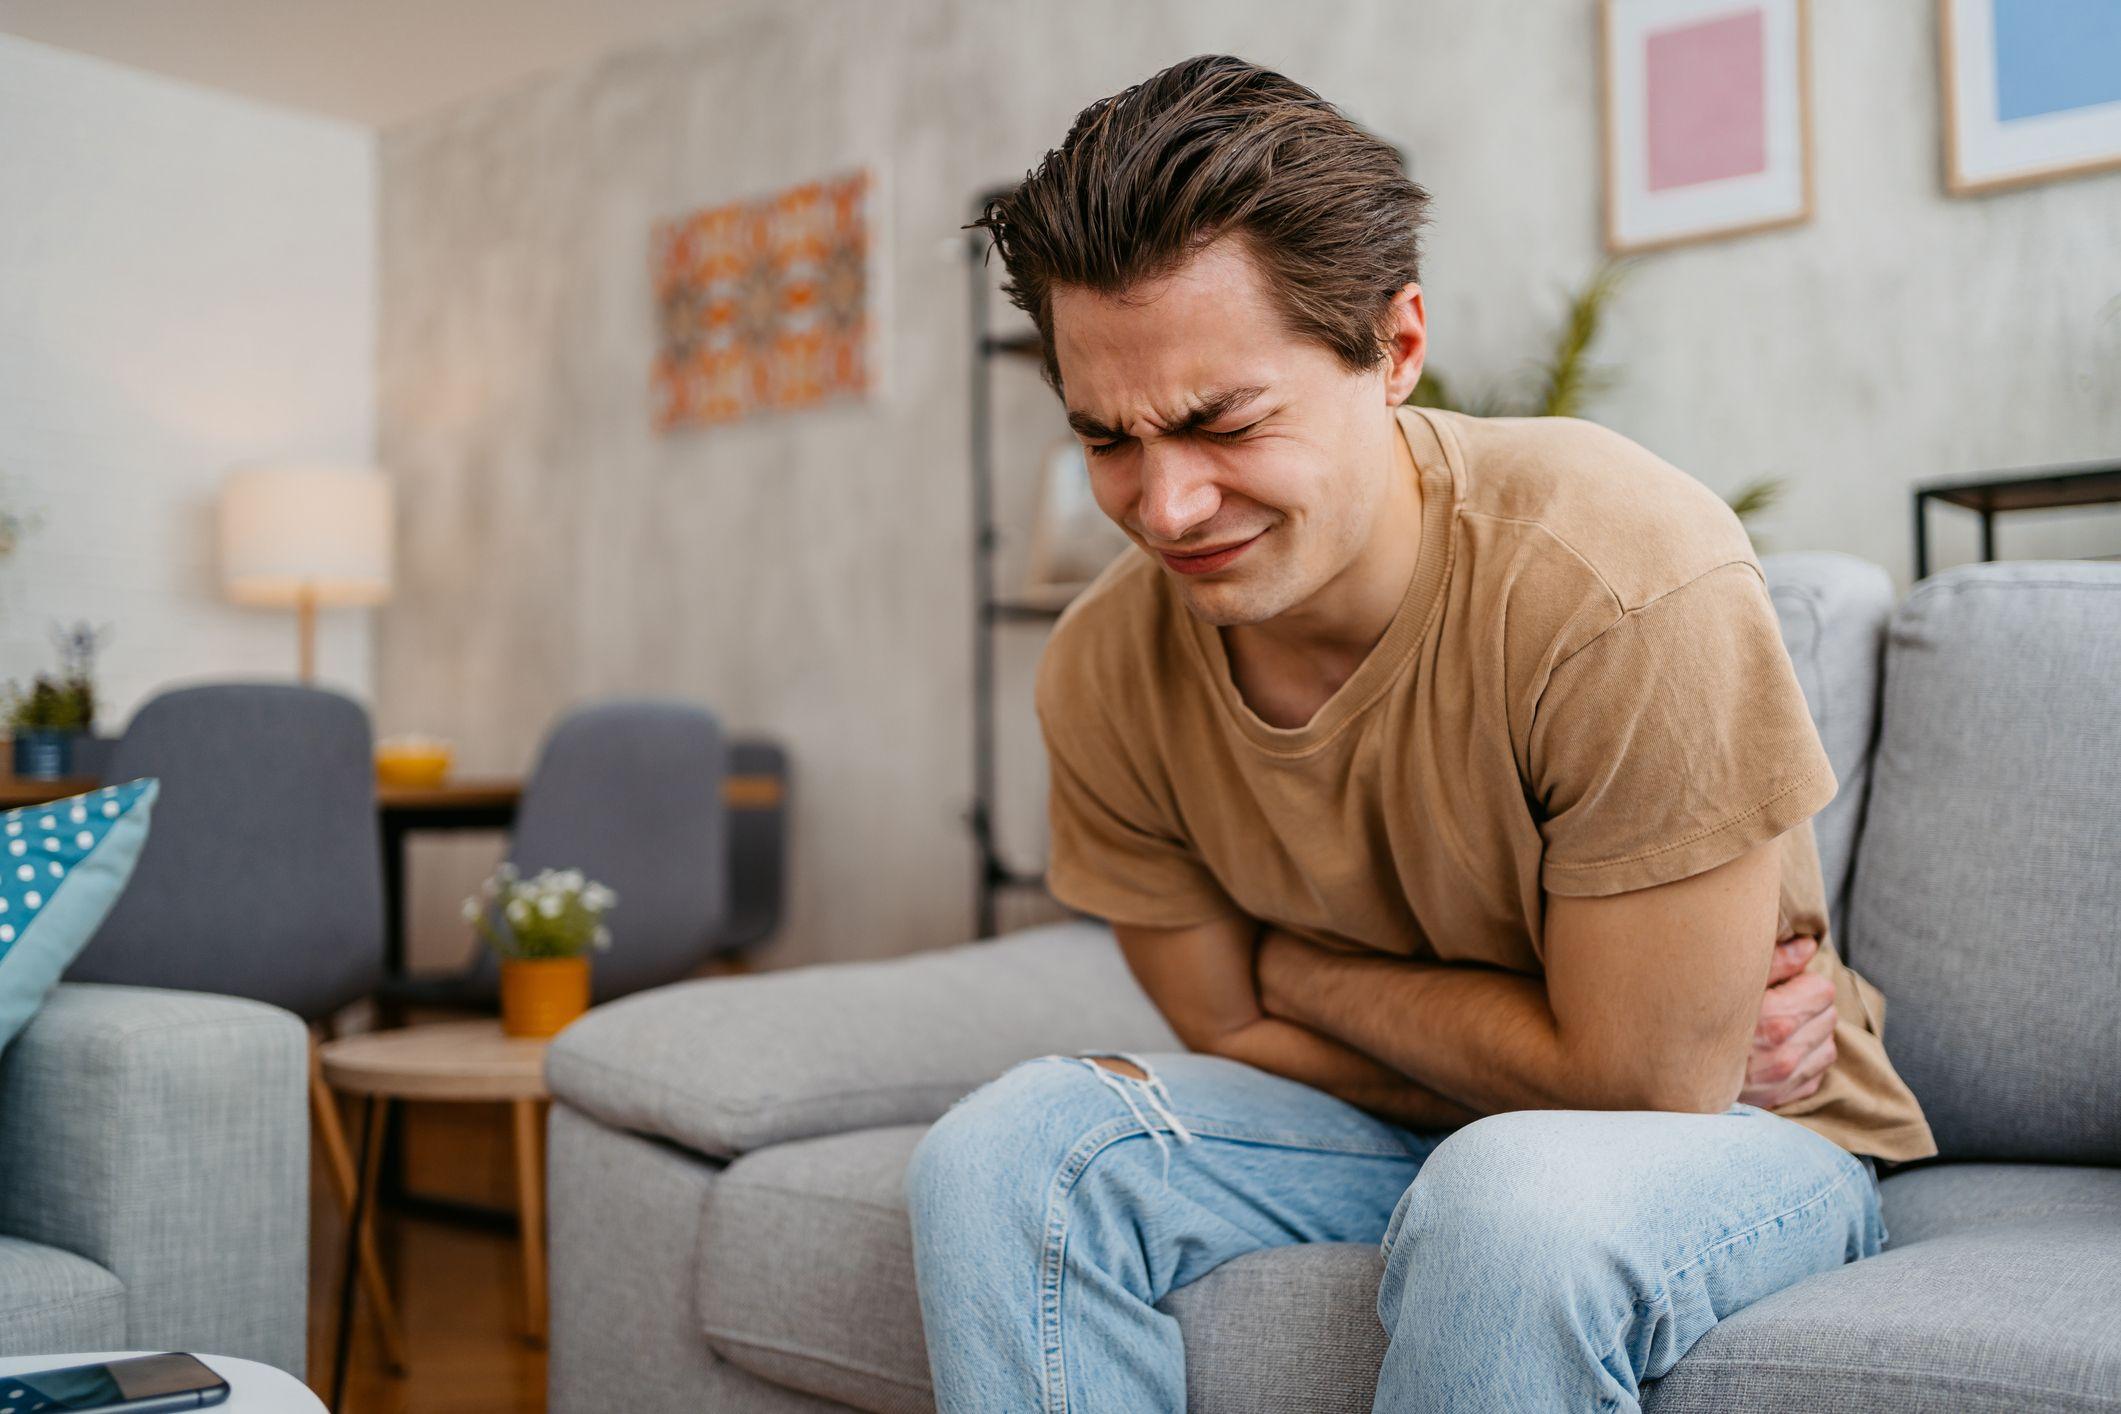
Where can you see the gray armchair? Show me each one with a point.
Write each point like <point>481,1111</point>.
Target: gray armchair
<point>156,1192</point>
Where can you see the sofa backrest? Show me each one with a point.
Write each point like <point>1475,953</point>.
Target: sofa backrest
<point>1833,610</point>
<point>1986,897</point>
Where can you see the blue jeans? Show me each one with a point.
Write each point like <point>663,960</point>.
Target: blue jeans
<point>1539,1260</point>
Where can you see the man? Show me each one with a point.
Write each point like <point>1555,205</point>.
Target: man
<point>1448,788</point>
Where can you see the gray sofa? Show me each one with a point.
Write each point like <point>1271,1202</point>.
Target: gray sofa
<point>728,1229</point>
<point>154,1177</point>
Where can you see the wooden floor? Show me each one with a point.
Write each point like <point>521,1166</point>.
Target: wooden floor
<point>458,1287</point>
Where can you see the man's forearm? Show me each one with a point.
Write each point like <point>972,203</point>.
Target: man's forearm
<point>1299,1053</point>
<point>1482,1038</point>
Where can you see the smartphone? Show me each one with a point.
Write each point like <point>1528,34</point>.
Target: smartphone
<point>146,1384</point>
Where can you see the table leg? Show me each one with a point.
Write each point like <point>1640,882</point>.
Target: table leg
<point>373,1110</point>
<point>530,1195</point>
<point>394,839</point>
<point>1922,538</point>
<point>1988,536</point>
<point>339,1165</point>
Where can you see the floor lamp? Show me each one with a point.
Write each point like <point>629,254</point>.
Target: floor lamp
<point>306,538</point>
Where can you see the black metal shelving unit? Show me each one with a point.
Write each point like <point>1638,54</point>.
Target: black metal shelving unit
<point>991,612</point>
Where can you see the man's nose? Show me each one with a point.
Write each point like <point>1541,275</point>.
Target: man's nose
<point>1178,492</point>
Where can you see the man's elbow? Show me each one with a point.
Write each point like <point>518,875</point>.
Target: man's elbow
<point>1707,1086</point>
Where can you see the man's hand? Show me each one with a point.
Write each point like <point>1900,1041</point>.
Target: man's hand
<point>1793,1041</point>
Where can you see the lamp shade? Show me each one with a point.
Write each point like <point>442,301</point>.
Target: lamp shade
<point>315,533</point>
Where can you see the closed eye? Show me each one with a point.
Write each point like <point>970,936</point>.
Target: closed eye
<point>1104,449</point>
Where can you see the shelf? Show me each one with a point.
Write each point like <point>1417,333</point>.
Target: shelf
<point>1028,610</point>
<point>992,611</point>
<point>1014,345</point>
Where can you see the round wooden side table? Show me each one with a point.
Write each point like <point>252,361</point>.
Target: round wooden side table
<point>467,1061</point>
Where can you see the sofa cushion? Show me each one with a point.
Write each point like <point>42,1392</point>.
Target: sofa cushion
<point>1937,1200</point>
<point>733,1064</point>
<point>1833,610</point>
<point>51,1299</point>
<point>806,1269</point>
<point>1284,1328</point>
<point>1998,1282</point>
<point>63,865</point>
<point>1986,891</point>
<point>2010,1300</point>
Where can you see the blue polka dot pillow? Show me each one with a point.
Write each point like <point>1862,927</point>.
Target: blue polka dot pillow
<point>62,866</point>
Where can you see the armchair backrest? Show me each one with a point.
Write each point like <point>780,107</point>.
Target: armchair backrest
<point>630,793</point>
<point>262,874</point>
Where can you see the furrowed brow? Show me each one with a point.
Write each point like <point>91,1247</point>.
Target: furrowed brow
<point>1206,408</point>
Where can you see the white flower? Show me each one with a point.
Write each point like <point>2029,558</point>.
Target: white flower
<point>601,938</point>
<point>508,872</point>
<point>518,911</point>
<point>472,909</point>
<point>550,905</point>
<point>571,880</point>
<point>596,898</point>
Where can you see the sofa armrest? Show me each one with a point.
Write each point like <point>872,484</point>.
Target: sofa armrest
<point>728,1065</point>
<point>164,1135</point>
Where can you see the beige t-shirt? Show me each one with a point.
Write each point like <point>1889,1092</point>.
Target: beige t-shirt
<point>1584,692</point>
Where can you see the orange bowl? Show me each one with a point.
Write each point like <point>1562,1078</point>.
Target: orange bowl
<point>411,763</point>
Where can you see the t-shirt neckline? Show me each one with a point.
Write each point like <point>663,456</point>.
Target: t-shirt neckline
<point>1409,623</point>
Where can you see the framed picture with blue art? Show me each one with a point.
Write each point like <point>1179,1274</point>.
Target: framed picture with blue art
<point>2032,90</point>
<point>1707,119</point>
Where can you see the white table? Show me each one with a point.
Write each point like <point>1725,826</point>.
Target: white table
<point>252,1388</point>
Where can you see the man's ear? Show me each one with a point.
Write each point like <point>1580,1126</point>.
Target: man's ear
<point>1407,347</point>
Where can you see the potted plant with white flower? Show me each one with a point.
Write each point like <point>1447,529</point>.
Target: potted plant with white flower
<point>543,928</point>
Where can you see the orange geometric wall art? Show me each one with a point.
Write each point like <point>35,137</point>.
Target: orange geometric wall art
<point>763,304</point>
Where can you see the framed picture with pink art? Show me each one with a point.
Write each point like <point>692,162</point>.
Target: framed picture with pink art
<point>1707,119</point>
<point>2032,90</point>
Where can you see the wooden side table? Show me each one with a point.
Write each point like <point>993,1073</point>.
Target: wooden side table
<point>468,1061</point>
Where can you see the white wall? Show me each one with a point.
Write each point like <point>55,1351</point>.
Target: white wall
<point>187,282</point>
<point>806,574</point>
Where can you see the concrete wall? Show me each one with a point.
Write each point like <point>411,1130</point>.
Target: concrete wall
<point>807,574</point>
<point>187,282</point>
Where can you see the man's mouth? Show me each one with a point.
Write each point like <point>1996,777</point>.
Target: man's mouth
<point>1209,561</point>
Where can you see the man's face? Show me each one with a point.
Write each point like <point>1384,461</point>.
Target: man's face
<point>1292,466</point>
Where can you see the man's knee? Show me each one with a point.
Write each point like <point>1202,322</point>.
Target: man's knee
<point>1500,1199</point>
<point>1000,1145</point>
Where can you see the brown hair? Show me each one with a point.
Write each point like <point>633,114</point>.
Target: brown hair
<point>1208,147</point>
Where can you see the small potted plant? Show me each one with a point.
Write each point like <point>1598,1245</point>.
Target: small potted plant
<point>48,721</point>
<point>548,925</point>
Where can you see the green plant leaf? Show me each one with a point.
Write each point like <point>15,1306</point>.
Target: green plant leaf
<point>1756,496</point>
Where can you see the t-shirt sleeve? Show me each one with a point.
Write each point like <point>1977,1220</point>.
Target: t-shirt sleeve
<point>1113,854</point>
<point>1674,741</point>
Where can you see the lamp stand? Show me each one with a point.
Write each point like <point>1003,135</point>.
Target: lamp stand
<point>306,629</point>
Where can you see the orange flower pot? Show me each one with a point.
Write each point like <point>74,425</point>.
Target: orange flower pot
<point>539,996</point>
